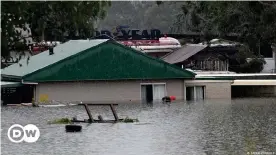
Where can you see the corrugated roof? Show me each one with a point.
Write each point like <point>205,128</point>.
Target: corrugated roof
<point>183,53</point>
<point>108,61</point>
<point>43,59</point>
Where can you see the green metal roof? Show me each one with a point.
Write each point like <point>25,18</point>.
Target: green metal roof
<point>102,60</point>
<point>43,59</point>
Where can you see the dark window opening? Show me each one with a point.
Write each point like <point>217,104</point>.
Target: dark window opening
<point>195,93</point>
<point>252,91</point>
<point>149,94</point>
<point>23,94</point>
<point>266,51</point>
<point>189,93</point>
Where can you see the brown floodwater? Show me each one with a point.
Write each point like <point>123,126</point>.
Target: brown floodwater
<point>203,127</point>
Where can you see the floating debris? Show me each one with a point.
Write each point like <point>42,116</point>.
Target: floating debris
<point>129,120</point>
<point>73,128</point>
<point>61,121</point>
<point>143,124</point>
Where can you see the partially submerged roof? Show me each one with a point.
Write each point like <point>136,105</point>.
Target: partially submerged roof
<point>42,60</point>
<point>183,53</point>
<point>94,60</point>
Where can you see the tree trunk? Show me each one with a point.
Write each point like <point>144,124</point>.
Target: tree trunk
<point>42,34</point>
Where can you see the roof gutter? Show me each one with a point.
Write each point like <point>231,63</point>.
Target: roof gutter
<point>10,78</point>
<point>30,83</point>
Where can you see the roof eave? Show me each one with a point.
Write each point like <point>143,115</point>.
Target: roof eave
<point>10,77</point>
<point>165,78</point>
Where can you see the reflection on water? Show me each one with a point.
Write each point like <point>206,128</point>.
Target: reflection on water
<point>209,127</point>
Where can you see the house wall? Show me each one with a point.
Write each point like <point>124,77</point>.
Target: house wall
<point>253,91</point>
<point>266,91</point>
<point>270,66</point>
<point>214,89</point>
<point>102,91</point>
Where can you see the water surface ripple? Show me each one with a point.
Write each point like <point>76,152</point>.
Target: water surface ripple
<point>206,127</point>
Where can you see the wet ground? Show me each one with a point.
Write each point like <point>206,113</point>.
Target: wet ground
<point>210,127</point>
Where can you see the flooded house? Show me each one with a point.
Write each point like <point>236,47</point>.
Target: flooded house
<point>214,57</point>
<point>104,70</point>
<point>213,79</point>
<point>93,70</point>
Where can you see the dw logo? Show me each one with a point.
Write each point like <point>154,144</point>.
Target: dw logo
<point>29,133</point>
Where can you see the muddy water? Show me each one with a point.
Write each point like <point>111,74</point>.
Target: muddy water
<point>206,127</point>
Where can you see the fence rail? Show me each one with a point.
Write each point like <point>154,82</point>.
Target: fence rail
<point>212,65</point>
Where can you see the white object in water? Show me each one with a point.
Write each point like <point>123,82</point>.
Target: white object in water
<point>57,105</point>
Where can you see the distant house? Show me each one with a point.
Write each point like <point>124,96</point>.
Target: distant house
<point>202,57</point>
<point>269,53</point>
<point>216,56</point>
<point>93,70</point>
<point>213,79</point>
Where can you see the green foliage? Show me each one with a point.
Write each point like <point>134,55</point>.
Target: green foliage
<point>11,18</point>
<point>244,61</point>
<point>59,19</point>
<point>251,66</point>
<point>49,20</point>
<point>141,15</point>
<point>129,120</point>
<point>253,22</point>
<point>61,121</point>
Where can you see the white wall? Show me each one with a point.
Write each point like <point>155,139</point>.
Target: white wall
<point>214,89</point>
<point>269,67</point>
<point>103,91</point>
